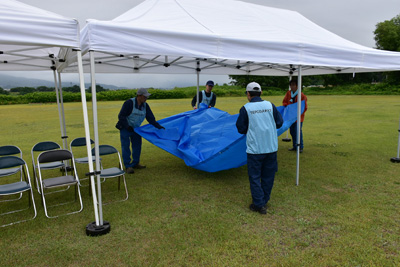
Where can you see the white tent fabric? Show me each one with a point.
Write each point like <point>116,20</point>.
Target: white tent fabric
<point>32,38</point>
<point>225,37</point>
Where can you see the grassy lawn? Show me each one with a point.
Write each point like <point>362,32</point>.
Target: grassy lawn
<point>345,212</point>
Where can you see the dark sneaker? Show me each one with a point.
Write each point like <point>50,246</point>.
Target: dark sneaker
<point>261,210</point>
<point>138,166</point>
<point>301,150</point>
<point>130,170</point>
<point>292,149</point>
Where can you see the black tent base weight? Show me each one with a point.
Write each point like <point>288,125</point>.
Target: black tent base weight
<point>286,139</point>
<point>93,230</point>
<point>395,160</point>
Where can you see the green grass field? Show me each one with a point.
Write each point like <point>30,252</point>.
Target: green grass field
<point>345,211</point>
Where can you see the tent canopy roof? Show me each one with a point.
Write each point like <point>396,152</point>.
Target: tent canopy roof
<point>32,38</point>
<point>223,37</point>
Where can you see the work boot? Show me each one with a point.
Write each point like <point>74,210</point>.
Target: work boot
<point>261,210</point>
<point>138,166</point>
<point>130,170</point>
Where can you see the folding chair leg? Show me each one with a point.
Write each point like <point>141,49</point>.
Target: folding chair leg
<point>37,181</point>
<point>46,208</point>
<point>126,188</point>
<point>31,200</point>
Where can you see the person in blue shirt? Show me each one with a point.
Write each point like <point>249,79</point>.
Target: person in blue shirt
<point>258,120</point>
<point>131,116</point>
<point>206,96</point>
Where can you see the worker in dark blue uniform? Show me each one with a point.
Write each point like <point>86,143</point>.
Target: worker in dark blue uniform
<point>206,96</point>
<point>131,116</point>
<point>259,120</point>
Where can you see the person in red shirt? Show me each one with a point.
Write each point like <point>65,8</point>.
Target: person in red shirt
<point>290,98</point>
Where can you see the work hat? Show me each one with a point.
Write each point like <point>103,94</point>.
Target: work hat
<point>143,91</point>
<point>210,83</point>
<point>253,87</point>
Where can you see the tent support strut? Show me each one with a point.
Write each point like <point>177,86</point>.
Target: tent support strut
<point>299,86</point>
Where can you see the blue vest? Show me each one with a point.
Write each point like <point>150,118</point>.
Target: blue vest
<point>261,135</point>
<point>206,100</point>
<point>137,116</point>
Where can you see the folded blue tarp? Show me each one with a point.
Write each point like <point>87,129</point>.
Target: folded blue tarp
<point>207,138</point>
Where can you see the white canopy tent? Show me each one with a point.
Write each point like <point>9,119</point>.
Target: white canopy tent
<point>221,37</point>
<point>32,39</point>
<point>225,37</point>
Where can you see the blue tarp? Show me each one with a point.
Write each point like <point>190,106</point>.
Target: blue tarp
<point>207,138</point>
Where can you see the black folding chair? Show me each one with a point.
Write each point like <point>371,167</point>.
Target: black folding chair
<point>112,167</point>
<point>11,150</point>
<point>39,148</point>
<point>47,182</point>
<point>15,184</point>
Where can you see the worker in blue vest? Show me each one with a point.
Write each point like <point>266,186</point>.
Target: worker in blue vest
<point>131,116</point>
<point>206,96</point>
<point>259,119</point>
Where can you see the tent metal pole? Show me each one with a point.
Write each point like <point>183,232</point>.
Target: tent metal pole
<point>87,134</point>
<point>299,86</point>
<point>287,139</point>
<point>58,104</point>
<point>64,137</point>
<point>96,135</point>
<point>398,146</point>
<point>397,159</point>
<point>198,82</point>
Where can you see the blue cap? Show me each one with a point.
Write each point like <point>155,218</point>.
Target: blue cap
<point>210,83</point>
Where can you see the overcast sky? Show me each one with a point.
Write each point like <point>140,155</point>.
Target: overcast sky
<point>354,20</point>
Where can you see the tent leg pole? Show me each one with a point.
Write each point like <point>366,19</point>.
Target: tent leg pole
<point>299,86</point>
<point>99,227</point>
<point>96,134</point>
<point>397,159</point>
<point>64,137</point>
<point>58,104</point>
<point>287,139</point>
<point>95,224</point>
<point>198,82</point>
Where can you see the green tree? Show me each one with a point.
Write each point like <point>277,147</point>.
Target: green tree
<point>23,90</point>
<point>44,89</point>
<point>387,37</point>
<point>387,34</point>
<point>3,92</point>
<point>265,81</point>
<point>73,89</point>
<point>99,88</point>
<point>348,78</point>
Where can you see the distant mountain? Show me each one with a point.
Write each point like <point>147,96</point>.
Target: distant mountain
<point>8,82</point>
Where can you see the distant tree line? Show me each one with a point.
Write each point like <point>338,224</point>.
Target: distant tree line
<point>315,80</point>
<point>29,90</point>
<point>189,92</point>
